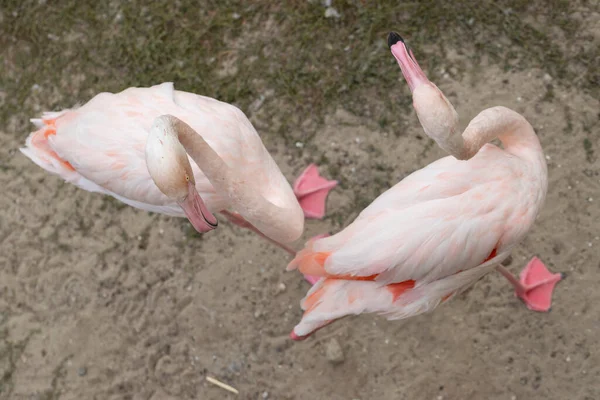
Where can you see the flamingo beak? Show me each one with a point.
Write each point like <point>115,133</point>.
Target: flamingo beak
<point>411,70</point>
<point>196,211</point>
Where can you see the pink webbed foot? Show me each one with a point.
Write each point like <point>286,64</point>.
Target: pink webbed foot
<point>311,190</point>
<point>312,279</point>
<point>537,285</point>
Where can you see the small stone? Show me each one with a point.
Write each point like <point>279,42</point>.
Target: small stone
<point>281,287</point>
<point>299,145</point>
<point>333,352</point>
<point>81,371</point>
<point>331,12</point>
<point>265,395</point>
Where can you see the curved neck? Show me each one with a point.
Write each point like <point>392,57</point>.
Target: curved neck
<point>513,130</point>
<point>278,223</point>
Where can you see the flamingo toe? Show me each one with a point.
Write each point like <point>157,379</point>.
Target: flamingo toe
<point>311,190</point>
<point>539,283</point>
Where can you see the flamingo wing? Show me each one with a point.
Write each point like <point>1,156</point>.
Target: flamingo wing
<point>445,218</point>
<point>421,242</point>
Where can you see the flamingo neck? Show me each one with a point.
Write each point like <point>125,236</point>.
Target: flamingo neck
<point>513,130</point>
<point>281,223</point>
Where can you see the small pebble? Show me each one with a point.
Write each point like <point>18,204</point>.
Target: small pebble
<point>299,145</point>
<point>333,352</point>
<point>331,12</point>
<point>82,371</point>
<point>265,395</point>
<point>281,287</point>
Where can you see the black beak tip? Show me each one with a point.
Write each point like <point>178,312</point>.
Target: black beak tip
<point>394,38</point>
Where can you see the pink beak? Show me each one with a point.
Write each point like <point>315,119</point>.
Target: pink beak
<point>196,211</point>
<point>411,70</point>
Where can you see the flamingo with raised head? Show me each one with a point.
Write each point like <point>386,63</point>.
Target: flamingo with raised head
<point>441,228</point>
<point>135,146</point>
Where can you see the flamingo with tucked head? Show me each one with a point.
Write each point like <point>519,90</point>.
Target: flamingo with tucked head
<point>137,145</point>
<point>441,228</point>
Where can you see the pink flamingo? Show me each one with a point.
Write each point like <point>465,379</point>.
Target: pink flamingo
<point>125,146</point>
<point>441,228</point>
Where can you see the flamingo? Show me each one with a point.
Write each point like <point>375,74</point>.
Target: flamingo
<point>136,147</point>
<point>441,228</point>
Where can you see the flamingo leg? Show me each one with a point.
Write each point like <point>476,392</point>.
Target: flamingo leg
<point>535,285</point>
<point>240,221</point>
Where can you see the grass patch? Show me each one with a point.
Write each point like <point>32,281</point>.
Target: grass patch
<point>237,52</point>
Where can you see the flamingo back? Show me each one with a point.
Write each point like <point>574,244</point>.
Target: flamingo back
<point>100,146</point>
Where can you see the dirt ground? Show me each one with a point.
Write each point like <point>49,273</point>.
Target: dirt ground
<point>102,301</point>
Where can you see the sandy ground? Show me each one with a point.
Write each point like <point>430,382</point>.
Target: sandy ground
<point>102,301</point>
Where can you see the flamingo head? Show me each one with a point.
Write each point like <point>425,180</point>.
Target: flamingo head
<point>437,116</point>
<point>170,169</point>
